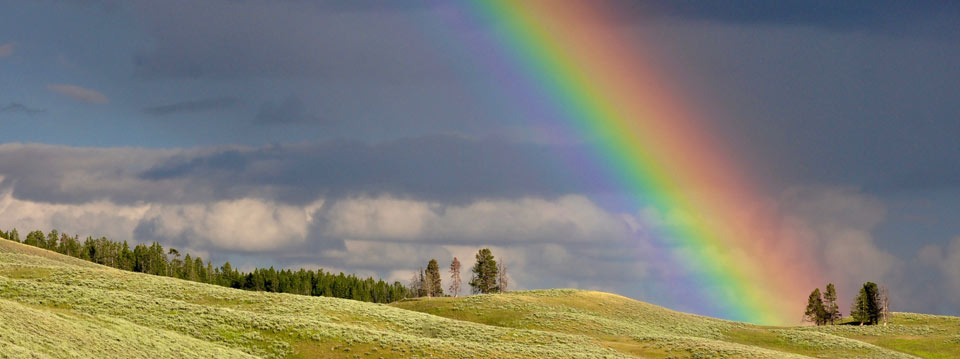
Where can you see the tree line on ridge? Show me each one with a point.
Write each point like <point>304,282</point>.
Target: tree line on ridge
<point>154,259</point>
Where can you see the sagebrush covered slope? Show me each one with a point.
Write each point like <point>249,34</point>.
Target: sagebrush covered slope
<point>56,306</point>
<point>111,311</point>
<point>646,330</point>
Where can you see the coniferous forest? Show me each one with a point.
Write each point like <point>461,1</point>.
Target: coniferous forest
<point>156,260</point>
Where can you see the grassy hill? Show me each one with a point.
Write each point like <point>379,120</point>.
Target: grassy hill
<point>57,306</point>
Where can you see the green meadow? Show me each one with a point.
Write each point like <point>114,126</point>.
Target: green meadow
<point>54,306</point>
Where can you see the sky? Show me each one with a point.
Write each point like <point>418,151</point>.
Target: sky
<point>358,136</point>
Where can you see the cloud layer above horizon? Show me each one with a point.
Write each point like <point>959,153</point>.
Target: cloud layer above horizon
<point>380,225</point>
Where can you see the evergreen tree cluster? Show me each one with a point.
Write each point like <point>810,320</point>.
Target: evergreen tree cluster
<point>870,307</point>
<point>488,277</point>
<point>427,283</point>
<point>154,260</point>
<point>822,310</point>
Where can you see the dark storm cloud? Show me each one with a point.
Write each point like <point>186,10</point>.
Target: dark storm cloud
<point>883,15</point>
<point>443,168</point>
<point>16,107</point>
<point>287,39</point>
<point>809,105</point>
<point>192,106</point>
<point>438,168</point>
<point>391,42</point>
<point>57,174</point>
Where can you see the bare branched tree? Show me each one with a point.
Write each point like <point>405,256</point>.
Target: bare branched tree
<point>425,285</point>
<point>455,277</point>
<point>502,276</point>
<point>416,283</point>
<point>884,304</point>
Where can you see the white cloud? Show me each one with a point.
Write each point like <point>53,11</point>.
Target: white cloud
<point>379,218</point>
<point>836,225</point>
<point>382,233</point>
<point>242,225</point>
<point>96,218</point>
<point>238,225</point>
<point>79,93</point>
<point>565,219</point>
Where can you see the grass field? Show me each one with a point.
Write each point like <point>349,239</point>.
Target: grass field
<point>56,306</point>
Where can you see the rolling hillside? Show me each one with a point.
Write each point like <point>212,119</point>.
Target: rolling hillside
<point>57,306</point>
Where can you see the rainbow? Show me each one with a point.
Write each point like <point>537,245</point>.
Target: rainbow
<point>563,59</point>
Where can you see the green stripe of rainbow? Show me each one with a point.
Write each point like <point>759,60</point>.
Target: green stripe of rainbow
<point>608,94</point>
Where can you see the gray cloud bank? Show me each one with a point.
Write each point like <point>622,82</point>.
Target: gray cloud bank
<point>296,38</point>
<point>359,208</point>
<point>436,168</point>
<point>292,38</point>
<point>239,205</point>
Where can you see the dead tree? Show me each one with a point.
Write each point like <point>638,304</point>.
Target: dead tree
<point>884,304</point>
<point>418,284</point>
<point>502,276</point>
<point>426,286</point>
<point>455,277</point>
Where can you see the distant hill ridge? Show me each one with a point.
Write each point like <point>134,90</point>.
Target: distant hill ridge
<point>57,306</point>
<point>157,260</point>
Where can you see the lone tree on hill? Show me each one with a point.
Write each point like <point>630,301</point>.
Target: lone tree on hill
<point>432,276</point>
<point>830,304</point>
<point>455,277</point>
<point>815,312</point>
<point>866,308</point>
<point>484,273</point>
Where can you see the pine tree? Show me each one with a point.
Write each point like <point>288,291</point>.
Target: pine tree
<point>830,304</point>
<point>455,277</point>
<point>866,307</point>
<point>859,309</point>
<point>484,273</point>
<point>432,276</point>
<point>14,235</point>
<point>815,312</point>
<point>174,270</point>
<point>424,284</point>
<point>127,256</point>
<point>34,238</point>
<point>189,272</point>
<point>51,242</point>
